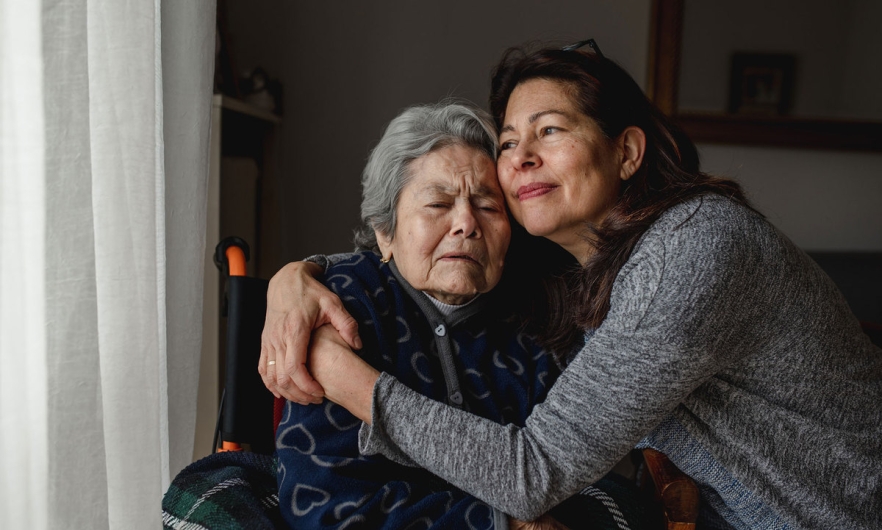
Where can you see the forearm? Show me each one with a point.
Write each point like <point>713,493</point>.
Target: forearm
<point>502,465</point>
<point>348,379</point>
<point>593,416</point>
<point>350,386</point>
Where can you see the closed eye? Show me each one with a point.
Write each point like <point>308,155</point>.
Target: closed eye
<point>487,205</point>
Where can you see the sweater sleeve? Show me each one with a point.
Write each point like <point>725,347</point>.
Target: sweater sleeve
<point>684,294</point>
<point>326,261</point>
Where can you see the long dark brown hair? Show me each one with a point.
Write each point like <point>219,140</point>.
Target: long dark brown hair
<point>578,298</point>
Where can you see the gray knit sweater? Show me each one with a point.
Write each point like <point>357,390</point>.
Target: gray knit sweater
<point>727,348</point>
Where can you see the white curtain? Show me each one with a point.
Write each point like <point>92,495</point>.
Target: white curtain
<point>104,130</point>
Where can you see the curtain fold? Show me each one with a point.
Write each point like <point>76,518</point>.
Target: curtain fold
<point>23,411</point>
<point>104,152</point>
<point>76,430</point>
<point>186,170</point>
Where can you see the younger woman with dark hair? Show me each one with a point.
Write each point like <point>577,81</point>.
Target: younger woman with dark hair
<point>706,333</point>
<point>669,175</point>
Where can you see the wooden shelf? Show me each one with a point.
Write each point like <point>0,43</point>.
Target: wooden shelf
<point>773,131</point>
<point>666,32</point>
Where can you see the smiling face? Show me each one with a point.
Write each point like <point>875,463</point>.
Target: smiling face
<point>557,169</point>
<point>452,230</point>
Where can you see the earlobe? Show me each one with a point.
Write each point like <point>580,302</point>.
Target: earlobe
<point>632,142</point>
<point>385,244</point>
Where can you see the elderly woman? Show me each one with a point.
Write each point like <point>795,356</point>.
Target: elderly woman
<point>433,241</point>
<point>709,335</point>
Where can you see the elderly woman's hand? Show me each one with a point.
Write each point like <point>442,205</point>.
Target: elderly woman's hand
<point>296,304</point>
<point>347,379</point>
<point>546,522</point>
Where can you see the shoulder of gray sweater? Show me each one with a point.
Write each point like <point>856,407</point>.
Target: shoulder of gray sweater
<point>710,210</point>
<point>708,238</point>
<point>714,222</point>
<point>683,221</point>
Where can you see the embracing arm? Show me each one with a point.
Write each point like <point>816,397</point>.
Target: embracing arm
<point>297,303</point>
<point>325,482</point>
<point>677,311</point>
<point>349,381</point>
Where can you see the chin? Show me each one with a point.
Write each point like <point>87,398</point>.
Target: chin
<point>537,223</point>
<point>461,293</point>
<point>538,229</point>
<point>459,290</point>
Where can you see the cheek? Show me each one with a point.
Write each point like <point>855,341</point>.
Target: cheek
<point>505,175</point>
<point>498,243</point>
<point>423,237</point>
<point>609,186</point>
<point>511,202</point>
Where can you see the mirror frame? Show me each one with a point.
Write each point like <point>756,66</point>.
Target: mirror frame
<point>665,41</point>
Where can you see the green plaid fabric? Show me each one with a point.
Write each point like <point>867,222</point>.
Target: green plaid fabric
<point>233,490</point>
<point>238,490</point>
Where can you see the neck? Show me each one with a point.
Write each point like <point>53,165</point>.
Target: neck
<point>446,308</point>
<point>580,248</point>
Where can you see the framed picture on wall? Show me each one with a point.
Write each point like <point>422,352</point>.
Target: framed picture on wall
<point>762,83</point>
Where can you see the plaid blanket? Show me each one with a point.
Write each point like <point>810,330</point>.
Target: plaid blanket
<point>238,490</point>
<point>234,490</point>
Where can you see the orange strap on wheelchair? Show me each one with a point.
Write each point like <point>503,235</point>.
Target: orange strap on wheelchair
<point>236,259</point>
<point>229,446</point>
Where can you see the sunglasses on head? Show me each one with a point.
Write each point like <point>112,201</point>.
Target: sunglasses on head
<point>589,42</point>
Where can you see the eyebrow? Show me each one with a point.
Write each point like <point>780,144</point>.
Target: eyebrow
<point>536,116</point>
<point>480,191</point>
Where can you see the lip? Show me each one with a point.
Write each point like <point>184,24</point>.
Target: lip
<point>534,189</point>
<point>460,256</point>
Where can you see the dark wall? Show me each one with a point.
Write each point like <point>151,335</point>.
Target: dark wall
<point>350,67</point>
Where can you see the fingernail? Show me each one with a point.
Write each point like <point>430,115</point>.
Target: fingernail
<point>358,344</point>
<point>317,395</point>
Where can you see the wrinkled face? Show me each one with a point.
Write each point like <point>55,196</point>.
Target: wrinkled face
<point>452,230</point>
<point>556,168</point>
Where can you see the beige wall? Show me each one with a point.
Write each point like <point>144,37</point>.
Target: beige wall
<point>822,200</point>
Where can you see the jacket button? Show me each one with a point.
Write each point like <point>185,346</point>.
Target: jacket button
<point>440,330</point>
<point>456,398</point>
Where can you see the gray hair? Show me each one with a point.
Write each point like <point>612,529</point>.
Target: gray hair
<point>417,131</point>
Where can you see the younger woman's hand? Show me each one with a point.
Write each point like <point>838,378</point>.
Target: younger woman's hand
<point>296,304</point>
<point>347,379</point>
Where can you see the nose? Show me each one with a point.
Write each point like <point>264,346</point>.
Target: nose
<point>523,155</point>
<point>465,223</point>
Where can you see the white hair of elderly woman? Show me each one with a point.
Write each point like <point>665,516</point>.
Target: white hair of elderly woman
<point>417,131</point>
